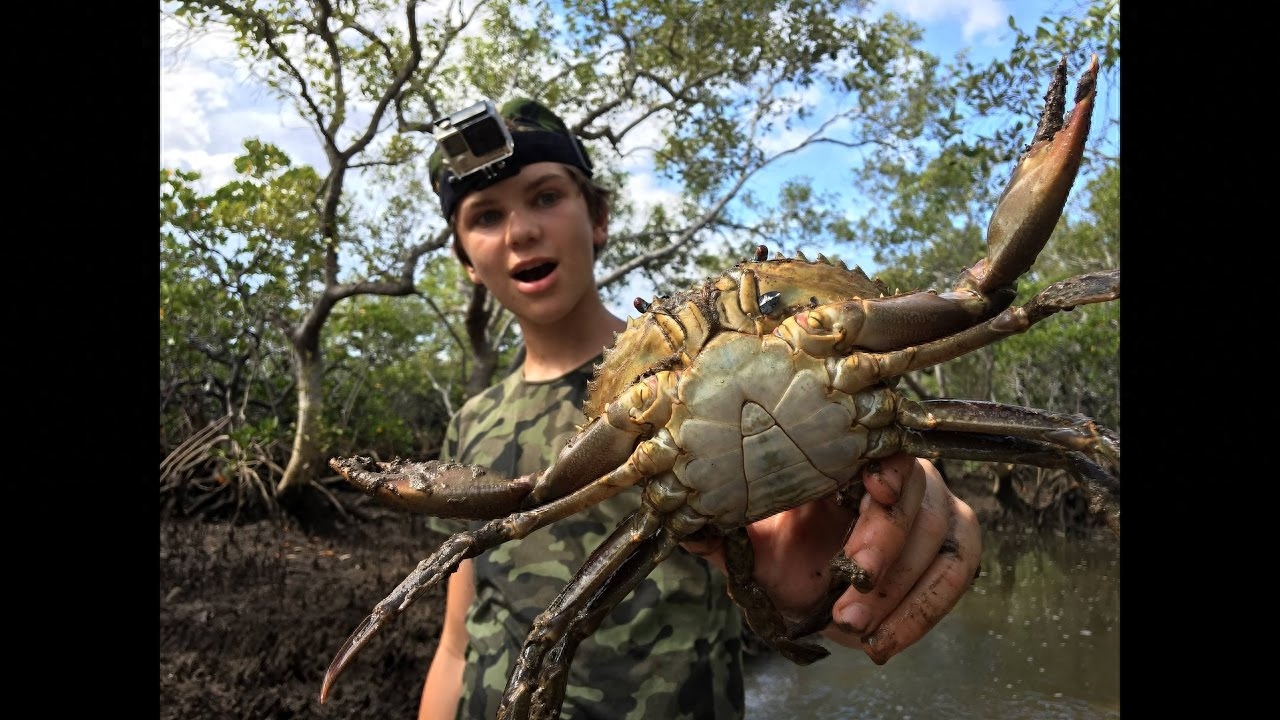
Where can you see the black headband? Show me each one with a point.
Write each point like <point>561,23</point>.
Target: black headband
<point>531,146</point>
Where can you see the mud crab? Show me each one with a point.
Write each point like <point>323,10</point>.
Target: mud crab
<point>766,387</point>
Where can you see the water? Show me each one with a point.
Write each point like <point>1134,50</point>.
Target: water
<point>1037,638</point>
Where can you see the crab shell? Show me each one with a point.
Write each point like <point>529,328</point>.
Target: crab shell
<point>674,329</point>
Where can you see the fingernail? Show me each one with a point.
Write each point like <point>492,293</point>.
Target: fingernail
<point>855,617</point>
<point>879,646</point>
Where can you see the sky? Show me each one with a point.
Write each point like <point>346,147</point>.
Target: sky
<point>209,104</point>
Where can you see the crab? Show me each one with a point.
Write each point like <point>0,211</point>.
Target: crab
<point>766,387</point>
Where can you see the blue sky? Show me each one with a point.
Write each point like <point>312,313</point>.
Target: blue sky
<point>209,104</point>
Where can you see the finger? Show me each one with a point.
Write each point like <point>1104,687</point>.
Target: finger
<point>882,528</point>
<point>862,612</point>
<point>711,550</point>
<point>883,478</point>
<point>947,579</point>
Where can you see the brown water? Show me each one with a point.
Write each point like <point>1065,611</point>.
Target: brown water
<point>1037,638</point>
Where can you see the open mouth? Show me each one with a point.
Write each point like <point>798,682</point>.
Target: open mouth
<point>534,273</point>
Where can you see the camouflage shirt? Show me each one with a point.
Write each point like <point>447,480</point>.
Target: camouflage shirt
<point>670,650</point>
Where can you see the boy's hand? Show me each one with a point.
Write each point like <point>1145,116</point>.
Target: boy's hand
<point>919,543</point>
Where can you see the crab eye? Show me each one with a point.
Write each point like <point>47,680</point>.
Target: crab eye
<point>769,302</point>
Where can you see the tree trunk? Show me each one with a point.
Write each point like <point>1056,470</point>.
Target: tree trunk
<point>305,461</point>
<point>484,351</point>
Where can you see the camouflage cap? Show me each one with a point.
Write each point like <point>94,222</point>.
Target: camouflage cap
<point>538,135</point>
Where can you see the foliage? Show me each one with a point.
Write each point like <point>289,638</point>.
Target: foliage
<point>226,269</point>
<point>391,390</point>
<point>223,282</point>
<point>223,351</point>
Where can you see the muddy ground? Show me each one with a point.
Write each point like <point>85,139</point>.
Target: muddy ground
<point>252,613</point>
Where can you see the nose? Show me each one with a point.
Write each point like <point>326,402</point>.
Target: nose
<point>522,227</point>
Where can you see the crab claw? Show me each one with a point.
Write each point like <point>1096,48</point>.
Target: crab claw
<point>1031,204</point>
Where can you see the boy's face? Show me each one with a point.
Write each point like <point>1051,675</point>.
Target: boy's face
<point>531,242</point>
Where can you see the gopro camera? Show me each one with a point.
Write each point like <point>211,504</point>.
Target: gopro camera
<point>473,139</point>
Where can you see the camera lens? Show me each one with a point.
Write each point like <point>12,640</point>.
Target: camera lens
<point>453,145</point>
<point>484,137</point>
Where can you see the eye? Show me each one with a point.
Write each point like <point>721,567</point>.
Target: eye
<point>547,198</point>
<point>486,218</point>
<point>768,302</point>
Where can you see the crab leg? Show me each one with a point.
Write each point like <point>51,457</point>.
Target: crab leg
<point>554,675</point>
<point>454,490</point>
<point>537,685</point>
<point>1101,485</point>
<point>441,489</point>
<point>1060,296</point>
<point>465,545</point>
<point>406,488</point>
<point>763,616</point>
<point>1065,431</point>
<point>827,330</point>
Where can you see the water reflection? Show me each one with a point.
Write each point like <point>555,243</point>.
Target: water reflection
<point>1037,638</point>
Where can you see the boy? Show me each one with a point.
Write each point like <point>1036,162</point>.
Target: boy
<point>530,235</point>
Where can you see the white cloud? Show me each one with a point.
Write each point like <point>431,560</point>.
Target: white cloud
<point>187,98</point>
<point>974,17</point>
<point>209,104</point>
<point>646,194</point>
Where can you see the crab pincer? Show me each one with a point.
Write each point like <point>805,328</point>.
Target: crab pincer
<point>1032,202</point>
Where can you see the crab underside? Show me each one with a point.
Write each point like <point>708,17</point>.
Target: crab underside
<point>766,387</point>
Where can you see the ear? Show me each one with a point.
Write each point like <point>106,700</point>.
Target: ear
<point>472,274</point>
<point>600,230</point>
